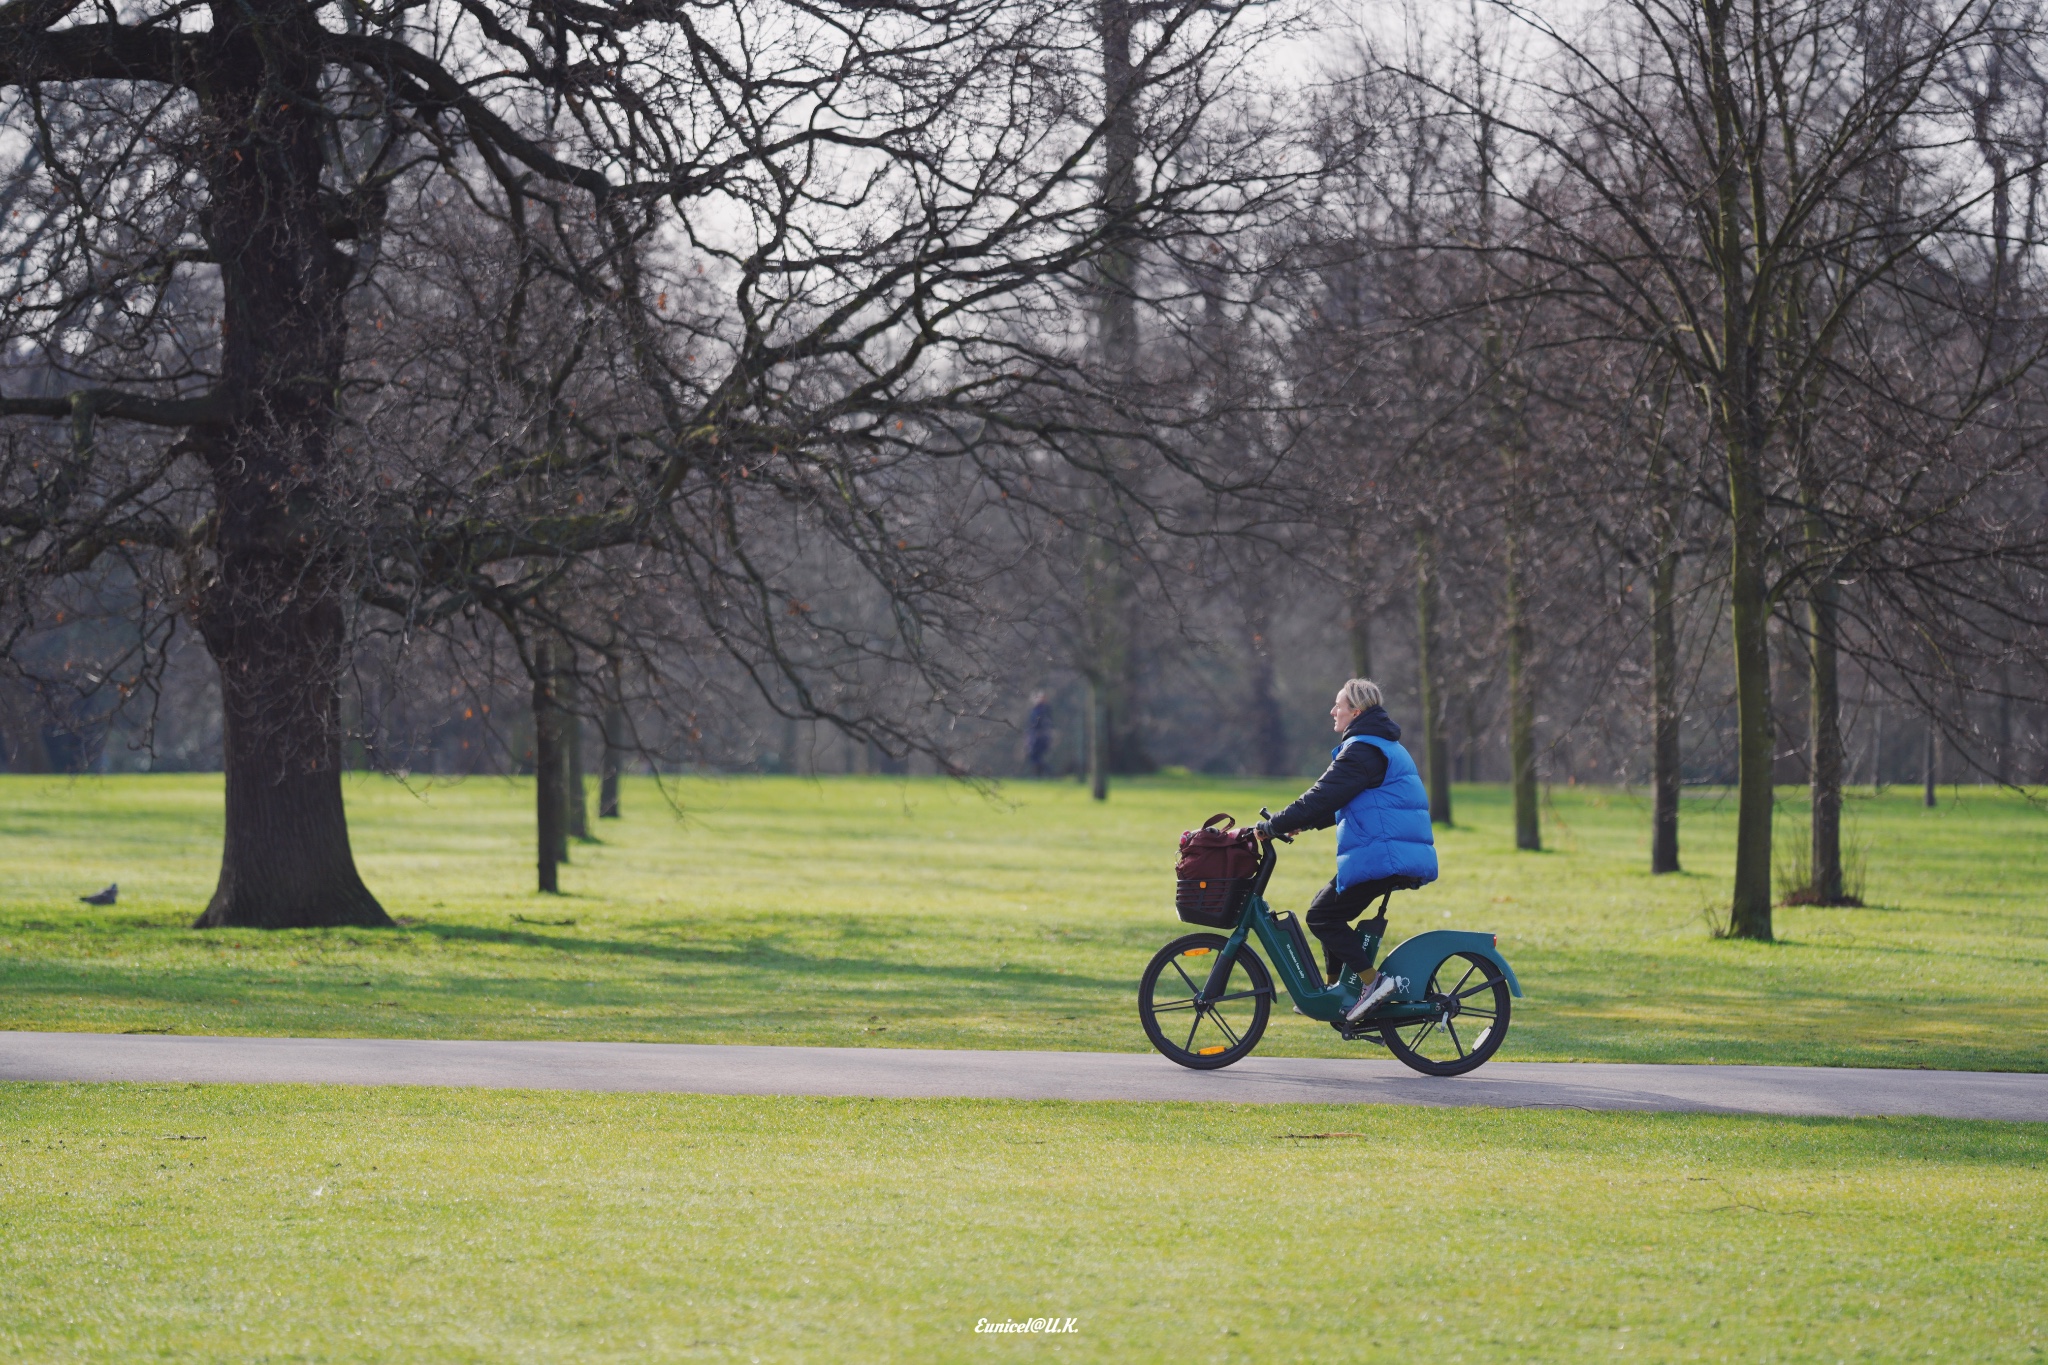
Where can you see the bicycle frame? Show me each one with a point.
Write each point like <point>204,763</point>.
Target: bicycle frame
<point>1415,959</point>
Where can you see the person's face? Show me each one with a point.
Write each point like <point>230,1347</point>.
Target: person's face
<point>1341,714</point>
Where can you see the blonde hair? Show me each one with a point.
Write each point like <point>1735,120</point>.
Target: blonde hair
<point>1361,694</point>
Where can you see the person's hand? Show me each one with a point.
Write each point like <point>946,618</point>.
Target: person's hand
<point>1263,831</point>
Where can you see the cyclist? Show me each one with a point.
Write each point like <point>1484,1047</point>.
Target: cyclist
<point>1373,794</point>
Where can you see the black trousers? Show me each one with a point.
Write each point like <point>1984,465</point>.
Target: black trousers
<point>1330,915</point>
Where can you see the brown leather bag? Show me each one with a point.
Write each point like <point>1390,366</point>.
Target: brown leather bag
<point>1215,872</point>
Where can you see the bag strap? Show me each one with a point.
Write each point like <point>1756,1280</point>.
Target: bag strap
<point>1227,819</point>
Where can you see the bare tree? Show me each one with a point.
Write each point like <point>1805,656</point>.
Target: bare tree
<point>1692,168</point>
<point>893,206</point>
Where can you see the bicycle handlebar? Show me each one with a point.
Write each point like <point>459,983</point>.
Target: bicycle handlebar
<point>1267,815</point>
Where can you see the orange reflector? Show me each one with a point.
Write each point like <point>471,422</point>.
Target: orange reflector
<point>1198,952</point>
<point>1210,1051</point>
<point>1203,885</point>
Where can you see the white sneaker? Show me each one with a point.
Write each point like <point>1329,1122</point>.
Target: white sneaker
<point>1382,986</point>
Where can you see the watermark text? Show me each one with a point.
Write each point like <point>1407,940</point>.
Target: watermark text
<point>1038,1326</point>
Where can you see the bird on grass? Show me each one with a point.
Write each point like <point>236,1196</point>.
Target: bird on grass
<point>105,897</point>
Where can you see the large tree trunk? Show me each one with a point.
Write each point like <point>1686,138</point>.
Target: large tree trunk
<point>1825,699</point>
<point>575,799</point>
<point>1823,615</point>
<point>1930,763</point>
<point>1740,418</point>
<point>1665,756</point>
<point>1510,442</point>
<point>1435,752</point>
<point>550,837</point>
<point>614,724</point>
<point>285,861</point>
<point>1439,746</point>
<point>1104,586</point>
<point>1521,688</point>
<point>1750,612</point>
<point>575,791</point>
<point>1098,740</point>
<point>272,616</point>
<point>2005,764</point>
<point>1521,717</point>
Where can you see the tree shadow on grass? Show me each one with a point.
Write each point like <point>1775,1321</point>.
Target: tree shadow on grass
<point>473,1002</point>
<point>765,953</point>
<point>688,979</point>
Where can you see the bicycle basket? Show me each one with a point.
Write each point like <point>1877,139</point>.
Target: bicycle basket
<point>1215,874</point>
<point>1215,903</point>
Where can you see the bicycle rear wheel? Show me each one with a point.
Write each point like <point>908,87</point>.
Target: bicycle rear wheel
<point>1470,1022</point>
<point>1208,1035</point>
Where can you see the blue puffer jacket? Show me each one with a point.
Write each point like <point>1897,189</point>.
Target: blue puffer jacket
<point>1384,831</point>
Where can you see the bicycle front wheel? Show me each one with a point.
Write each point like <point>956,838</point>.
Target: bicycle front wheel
<point>1204,1034</point>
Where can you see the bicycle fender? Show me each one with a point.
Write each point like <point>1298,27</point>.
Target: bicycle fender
<point>1417,957</point>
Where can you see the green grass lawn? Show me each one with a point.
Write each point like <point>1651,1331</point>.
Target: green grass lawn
<point>922,913</point>
<point>331,1224</point>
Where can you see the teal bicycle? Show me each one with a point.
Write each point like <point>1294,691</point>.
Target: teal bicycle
<point>1205,998</point>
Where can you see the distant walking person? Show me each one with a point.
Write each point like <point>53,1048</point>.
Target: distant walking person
<point>1038,734</point>
<point>1373,794</point>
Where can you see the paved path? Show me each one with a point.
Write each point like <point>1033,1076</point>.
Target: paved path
<point>907,1073</point>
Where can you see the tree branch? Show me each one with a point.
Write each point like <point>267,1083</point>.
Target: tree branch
<point>121,407</point>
